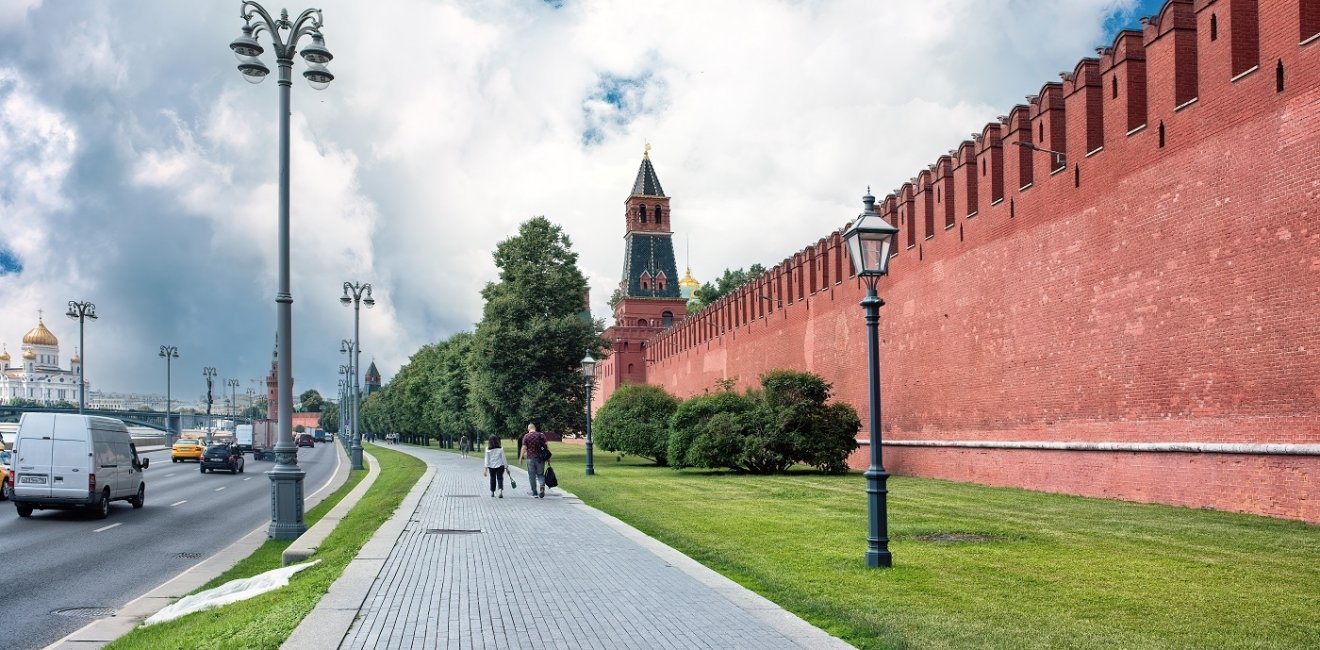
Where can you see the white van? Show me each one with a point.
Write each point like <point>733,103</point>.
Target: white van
<point>65,460</point>
<point>243,437</point>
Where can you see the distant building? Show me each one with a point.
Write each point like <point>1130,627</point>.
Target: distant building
<point>372,380</point>
<point>38,376</point>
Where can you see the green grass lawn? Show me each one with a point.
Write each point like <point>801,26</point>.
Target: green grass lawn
<point>1048,571</point>
<point>267,620</point>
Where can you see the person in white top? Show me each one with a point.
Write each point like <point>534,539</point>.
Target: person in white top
<point>496,465</point>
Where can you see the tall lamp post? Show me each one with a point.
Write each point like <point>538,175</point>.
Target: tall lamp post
<point>233,400</point>
<point>81,311</point>
<point>345,407</point>
<point>250,394</point>
<point>357,294</point>
<point>209,373</point>
<point>588,378</point>
<point>168,352</point>
<point>870,240</point>
<point>347,346</point>
<point>286,520</point>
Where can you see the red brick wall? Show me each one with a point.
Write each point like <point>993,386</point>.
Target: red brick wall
<point>1171,296</point>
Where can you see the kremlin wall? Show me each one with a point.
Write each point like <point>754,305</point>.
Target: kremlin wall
<point>1136,319</point>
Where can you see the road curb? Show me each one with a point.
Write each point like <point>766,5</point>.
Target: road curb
<point>101,632</point>
<point>328,623</point>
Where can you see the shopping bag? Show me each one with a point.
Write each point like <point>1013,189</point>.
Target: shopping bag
<point>550,480</point>
<point>512,483</point>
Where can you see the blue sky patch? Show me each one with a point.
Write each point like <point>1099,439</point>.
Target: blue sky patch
<point>9,262</point>
<point>1122,19</point>
<point>615,102</point>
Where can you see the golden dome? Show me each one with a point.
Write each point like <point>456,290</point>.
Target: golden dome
<point>29,355</point>
<point>39,335</point>
<point>688,280</point>
<point>75,358</point>
<point>4,356</point>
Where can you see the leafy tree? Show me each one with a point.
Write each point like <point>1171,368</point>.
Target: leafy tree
<point>615,298</point>
<point>635,420</point>
<point>299,429</point>
<point>330,417</point>
<point>257,411</point>
<point>450,409</point>
<point>65,404</point>
<point>526,350</point>
<point>710,431</point>
<point>311,401</point>
<point>708,293</point>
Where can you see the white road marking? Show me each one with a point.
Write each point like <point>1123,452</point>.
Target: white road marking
<point>168,475</point>
<point>106,527</point>
<point>248,478</point>
<point>178,503</point>
<point>221,488</point>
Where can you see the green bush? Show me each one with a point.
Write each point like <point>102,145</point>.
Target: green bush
<point>635,420</point>
<point>765,431</point>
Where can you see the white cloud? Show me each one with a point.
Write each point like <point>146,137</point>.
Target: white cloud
<point>449,123</point>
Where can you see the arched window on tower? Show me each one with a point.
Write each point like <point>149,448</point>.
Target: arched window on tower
<point>641,322</point>
<point>667,319</point>
<point>641,212</point>
<point>645,281</point>
<point>660,279</point>
<point>659,215</point>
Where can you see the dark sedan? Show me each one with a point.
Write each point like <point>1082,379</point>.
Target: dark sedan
<point>223,456</point>
<point>306,440</point>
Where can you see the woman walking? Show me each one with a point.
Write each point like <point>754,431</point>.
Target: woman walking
<point>496,465</point>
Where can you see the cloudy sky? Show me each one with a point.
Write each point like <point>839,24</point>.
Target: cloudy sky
<point>139,171</point>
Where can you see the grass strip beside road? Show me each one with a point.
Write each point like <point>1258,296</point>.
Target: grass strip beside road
<point>977,566</point>
<point>268,619</point>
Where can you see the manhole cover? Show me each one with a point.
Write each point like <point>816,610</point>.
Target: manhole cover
<point>189,556</point>
<point>955,537</point>
<point>452,531</point>
<point>85,612</point>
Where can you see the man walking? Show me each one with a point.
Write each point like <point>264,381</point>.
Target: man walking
<point>533,448</point>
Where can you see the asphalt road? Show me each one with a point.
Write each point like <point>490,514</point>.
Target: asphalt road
<point>59,567</point>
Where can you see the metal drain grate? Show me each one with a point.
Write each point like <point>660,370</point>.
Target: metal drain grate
<point>84,612</point>
<point>452,531</point>
<point>189,556</point>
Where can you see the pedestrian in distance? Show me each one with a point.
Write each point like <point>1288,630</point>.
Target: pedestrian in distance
<point>496,465</point>
<point>537,453</point>
<point>464,445</point>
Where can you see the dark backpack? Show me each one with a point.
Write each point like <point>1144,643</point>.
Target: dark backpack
<point>542,450</point>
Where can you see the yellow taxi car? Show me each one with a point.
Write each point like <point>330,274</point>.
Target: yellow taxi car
<point>187,449</point>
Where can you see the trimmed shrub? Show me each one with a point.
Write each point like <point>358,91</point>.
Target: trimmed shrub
<point>765,431</point>
<point>635,420</point>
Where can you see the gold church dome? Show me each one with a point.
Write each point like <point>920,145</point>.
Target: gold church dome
<point>39,335</point>
<point>688,280</point>
<point>4,356</point>
<point>29,355</point>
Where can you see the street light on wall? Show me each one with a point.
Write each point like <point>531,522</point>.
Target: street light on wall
<point>357,294</point>
<point>870,239</point>
<point>1060,158</point>
<point>588,378</point>
<point>286,521</point>
<point>82,311</point>
<point>169,352</point>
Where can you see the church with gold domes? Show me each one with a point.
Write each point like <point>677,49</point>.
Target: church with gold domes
<point>37,375</point>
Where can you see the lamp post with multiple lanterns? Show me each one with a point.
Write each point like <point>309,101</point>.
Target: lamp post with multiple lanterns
<point>233,400</point>
<point>81,311</point>
<point>286,478</point>
<point>588,378</point>
<point>209,373</point>
<point>356,294</point>
<point>870,240</point>
<point>169,352</point>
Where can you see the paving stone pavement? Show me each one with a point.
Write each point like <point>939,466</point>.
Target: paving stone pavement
<point>471,571</point>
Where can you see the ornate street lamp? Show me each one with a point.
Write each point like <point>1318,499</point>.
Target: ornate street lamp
<point>81,311</point>
<point>870,240</point>
<point>356,294</point>
<point>346,347</point>
<point>168,352</point>
<point>233,401</point>
<point>588,378</point>
<point>286,521</point>
<point>209,373</point>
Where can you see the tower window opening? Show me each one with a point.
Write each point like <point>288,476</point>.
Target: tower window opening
<point>1214,27</point>
<point>641,213</point>
<point>1161,134</point>
<point>657,215</point>
<point>1278,77</point>
<point>1041,137</point>
<point>667,319</point>
<point>1113,82</point>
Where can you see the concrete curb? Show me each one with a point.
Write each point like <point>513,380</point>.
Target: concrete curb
<point>311,539</point>
<point>101,632</point>
<point>329,622</point>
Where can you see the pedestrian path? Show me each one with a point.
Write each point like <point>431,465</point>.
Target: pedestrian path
<point>460,569</point>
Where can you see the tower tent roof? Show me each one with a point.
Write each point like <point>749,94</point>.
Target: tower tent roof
<point>647,183</point>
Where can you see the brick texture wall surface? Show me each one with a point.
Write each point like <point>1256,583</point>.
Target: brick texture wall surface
<point>1162,287</point>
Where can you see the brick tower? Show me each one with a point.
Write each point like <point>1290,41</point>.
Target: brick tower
<point>649,291</point>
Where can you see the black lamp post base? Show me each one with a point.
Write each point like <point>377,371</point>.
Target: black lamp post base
<point>875,559</point>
